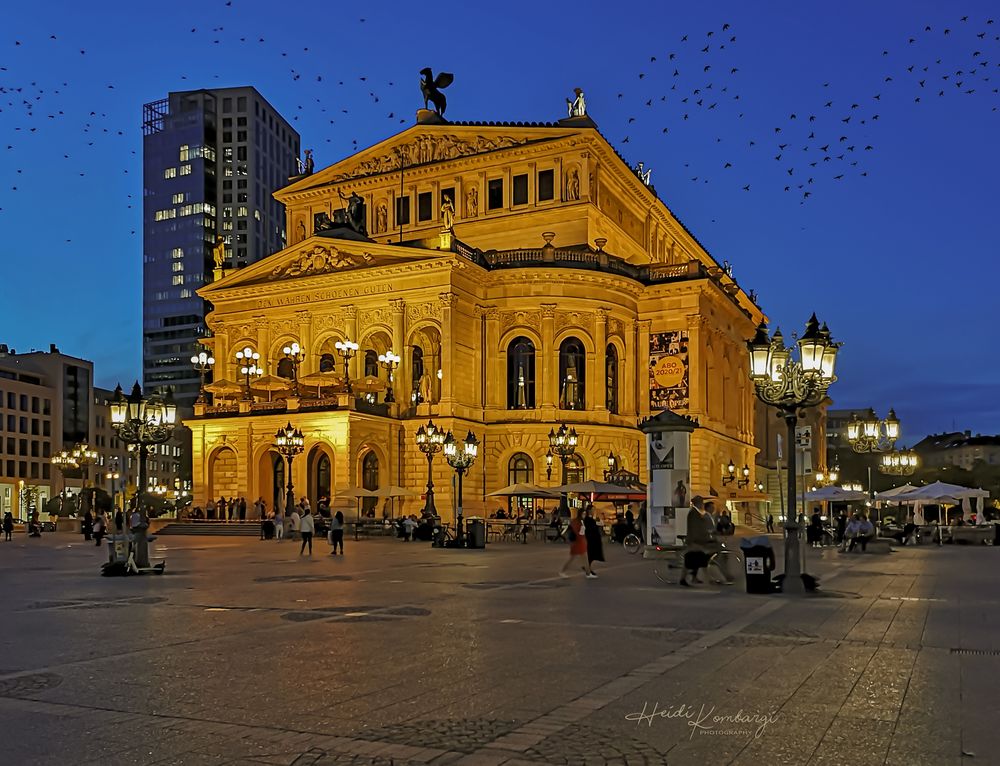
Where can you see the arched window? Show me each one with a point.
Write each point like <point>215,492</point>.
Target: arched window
<point>520,470</point>
<point>575,474</point>
<point>521,374</point>
<point>277,481</point>
<point>417,368</point>
<point>369,480</point>
<point>285,368</point>
<point>371,363</point>
<point>323,477</point>
<point>327,363</point>
<point>611,378</point>
<point>572,374</point>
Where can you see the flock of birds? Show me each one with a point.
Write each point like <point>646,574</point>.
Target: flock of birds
<point>695,85</point>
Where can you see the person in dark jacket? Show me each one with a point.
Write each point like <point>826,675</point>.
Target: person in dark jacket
<point>87,527</point>
<point>814,532</point>
<point>591,531</point>
<point>8,526</point>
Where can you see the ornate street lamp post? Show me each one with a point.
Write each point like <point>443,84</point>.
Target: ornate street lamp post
<point>347,349</point>
<point>295,354</point>
<point>247,360</point>
<point>827,478</point>
<point>289,442</point>
<point>84,457</point>
<point>898,463</point>
<point>203,363</point>
<point>112,476</point>
<point>791,386</point>
<point>390,362</point>
<point>461,456</point>
<point>430,440</point>
<point>63,461</point>
<point>562,444</point>
<point>143,422</point>
<point>871,434</point>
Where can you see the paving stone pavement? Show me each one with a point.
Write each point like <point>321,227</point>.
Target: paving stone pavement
<point>245,652</point>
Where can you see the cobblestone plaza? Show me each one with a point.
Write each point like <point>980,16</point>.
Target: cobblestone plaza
<point>245,652</point>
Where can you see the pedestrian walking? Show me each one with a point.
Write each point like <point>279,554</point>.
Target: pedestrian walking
<point>841,527</point>
<point>770,522</point>
<point>592,534</point>
<point>88,525</point>
<point>243,509</point>
<point>700,533</point>
<point>814,532</point>
<point>279,524</point>
<point>409,524</point>
<point>100,527</point>
<point>8,526</point>
<point>337,533</point>
<point>577,549</point>
<point>307,526</point>
<point>294,519</point>
<point>120,521</point>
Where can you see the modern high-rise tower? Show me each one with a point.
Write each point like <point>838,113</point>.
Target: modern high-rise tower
<point>211,161</point>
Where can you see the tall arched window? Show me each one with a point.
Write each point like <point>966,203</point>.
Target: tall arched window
<point>327,363</point>
<point>285,368</point>
<point>611,378</point>
<point>277,481</point>
<point>520,470</point>
<point>521,374</point>
<point>323,473</point>
<point>417,368</point>
<point>371,363</point>
<point>575,470</point>
<point>572,374</point>
<point>369,480</point>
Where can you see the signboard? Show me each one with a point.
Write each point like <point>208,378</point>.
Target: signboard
<point>668,371</point>
<point>804,437</point>
<point>755,565</point>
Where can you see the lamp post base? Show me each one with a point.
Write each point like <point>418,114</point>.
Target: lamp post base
<point>792,582</point>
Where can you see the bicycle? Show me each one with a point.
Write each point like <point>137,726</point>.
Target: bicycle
<point>714,569</point>
<point>632,543</point>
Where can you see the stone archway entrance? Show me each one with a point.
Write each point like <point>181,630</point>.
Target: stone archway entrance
<point>319,475</point>
<point>222,478</point>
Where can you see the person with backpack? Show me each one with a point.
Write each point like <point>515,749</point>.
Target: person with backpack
<point>577,548</point>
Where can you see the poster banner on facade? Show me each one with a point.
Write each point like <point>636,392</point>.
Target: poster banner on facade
<point>668,371</point>
<point>669,485</point>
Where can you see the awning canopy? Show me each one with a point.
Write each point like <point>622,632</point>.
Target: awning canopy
<point>524,490</point>
<point>941,492</point>
<point>836,495</point>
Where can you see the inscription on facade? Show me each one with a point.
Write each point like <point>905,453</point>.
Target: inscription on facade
<point>325,295</point>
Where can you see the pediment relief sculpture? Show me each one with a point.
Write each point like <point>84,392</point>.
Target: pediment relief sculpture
<point>319,260</point>
<point>429,149</point>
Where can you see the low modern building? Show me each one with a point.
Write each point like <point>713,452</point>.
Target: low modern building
<point>960,449</point>
<point>526,276</point>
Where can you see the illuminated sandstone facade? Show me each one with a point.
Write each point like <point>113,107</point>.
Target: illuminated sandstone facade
<point>567,293</point>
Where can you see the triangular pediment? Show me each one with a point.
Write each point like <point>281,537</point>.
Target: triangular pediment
<point>315,257</point>
<point>426,144</point>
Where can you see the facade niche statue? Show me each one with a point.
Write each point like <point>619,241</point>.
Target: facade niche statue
<point>573,185</point>
<point>447,214</point>
<point>381,218</point>
<point>472,202</point>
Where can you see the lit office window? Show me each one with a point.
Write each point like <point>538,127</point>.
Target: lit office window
<point>185,170</point>
<point>170,172</point>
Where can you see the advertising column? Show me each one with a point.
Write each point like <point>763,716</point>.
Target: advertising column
<point>668,441</point>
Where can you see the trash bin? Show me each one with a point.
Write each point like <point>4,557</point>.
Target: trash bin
<point>475,530</point>
<point>758,559</point>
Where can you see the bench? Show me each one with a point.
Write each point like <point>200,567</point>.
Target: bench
<point>975,535</point>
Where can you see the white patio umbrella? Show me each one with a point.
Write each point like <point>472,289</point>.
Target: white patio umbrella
<point>392,492</point>
<point>836,495</point>
<point>942,492</point>
<point>356,493</point>
<point>895,492</point>
<point>524,490</point>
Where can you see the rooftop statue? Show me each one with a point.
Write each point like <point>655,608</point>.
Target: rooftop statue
<point>578,106</point>
<point>431,87</point>
<point>643,174</point>
<point>219,251</point>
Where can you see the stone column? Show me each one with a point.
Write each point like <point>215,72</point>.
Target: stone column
<point>696,365</point>
<point>224,363</point>
<point>263,342</point>
<point>495,374</point>
<point>351,329</point>
<point>401,378</point>
<point>636,373</point>
<point>599,388</point>
<point>447,398</point>
<point>642,388</point>
<point>311,362</point>
<point>550,360</point>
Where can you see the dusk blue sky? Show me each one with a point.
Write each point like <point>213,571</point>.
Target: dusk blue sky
<point>901,263</point>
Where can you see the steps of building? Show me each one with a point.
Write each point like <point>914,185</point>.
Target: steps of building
<point>220,528</point>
